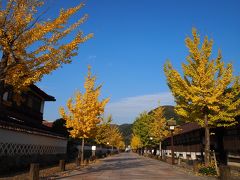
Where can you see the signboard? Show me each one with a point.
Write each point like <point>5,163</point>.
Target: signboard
<point>94,148</point>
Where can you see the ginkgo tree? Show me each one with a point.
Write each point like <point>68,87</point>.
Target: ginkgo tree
<point>207,92</point>
<point>32,46</point>
<point>109,134</point>
<point>141,128</point>
<point>102,131</point>
<point>84,112</point>
<point>136,143</point>
<point>158,127</point>
<point>114,137</point>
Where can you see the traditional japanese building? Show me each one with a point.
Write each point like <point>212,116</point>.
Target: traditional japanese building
<point>190,143</point>
<point>23,137</point>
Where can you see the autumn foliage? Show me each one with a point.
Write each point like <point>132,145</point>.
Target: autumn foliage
<point>158,127</point>
<point>32,47</point>
<point>142,128</point>
<point>136,142</point>
<point>102,131</point>
<point>84,112</point>
<point>114,137</point>
<point>208,92</point>
<point>109,134</point>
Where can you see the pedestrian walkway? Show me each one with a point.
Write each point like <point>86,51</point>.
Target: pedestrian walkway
<point>133,167</point>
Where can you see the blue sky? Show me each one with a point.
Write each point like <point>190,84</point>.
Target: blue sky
<point>132,40</point>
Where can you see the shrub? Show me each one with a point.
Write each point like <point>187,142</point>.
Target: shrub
<point>207,170</point>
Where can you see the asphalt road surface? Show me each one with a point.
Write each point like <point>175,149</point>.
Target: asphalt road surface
<point>133,167</point>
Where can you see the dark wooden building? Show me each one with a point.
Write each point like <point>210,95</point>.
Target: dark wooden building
<point>29,112</point>
<point>190,143</point>
<point>23,137</point>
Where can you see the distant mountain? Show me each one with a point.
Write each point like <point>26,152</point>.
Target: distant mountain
<point>170,113</point>
<point>126,130</point>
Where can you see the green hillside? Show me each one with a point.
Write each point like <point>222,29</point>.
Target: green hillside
<point>170,113</point>
<point>126,129</point>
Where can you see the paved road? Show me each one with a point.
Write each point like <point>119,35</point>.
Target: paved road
<point>130,166</point>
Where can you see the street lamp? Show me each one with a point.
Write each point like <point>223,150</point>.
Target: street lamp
<point>151,138</point>
<point>172,123</point>
<point>94,151</point>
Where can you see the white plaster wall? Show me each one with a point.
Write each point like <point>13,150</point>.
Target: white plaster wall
<point>184,154</point>
<point>8,136</point>
<point>85,147</point>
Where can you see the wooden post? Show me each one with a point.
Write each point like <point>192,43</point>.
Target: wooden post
<point>62,165</point>
<point>225,173</point>
<point>34,171</point>
<point>172,148</point>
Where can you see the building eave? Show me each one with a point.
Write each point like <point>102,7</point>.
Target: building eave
<point>41,93</point>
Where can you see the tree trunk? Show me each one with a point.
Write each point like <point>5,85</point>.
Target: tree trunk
<point>1,91</point>
<point>79,152</point>
<point>160,149</point>
<point>3,65</point>
<point>207,141</point>
<point>82,151</point>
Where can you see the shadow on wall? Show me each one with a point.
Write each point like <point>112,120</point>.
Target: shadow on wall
<point>14,164</point>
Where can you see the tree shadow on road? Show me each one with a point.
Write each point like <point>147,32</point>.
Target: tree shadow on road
<point>111,164</point>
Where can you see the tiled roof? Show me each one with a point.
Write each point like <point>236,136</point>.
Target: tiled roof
<point>48,124</point>
<point>187,127</point>
<point>42,93</point>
